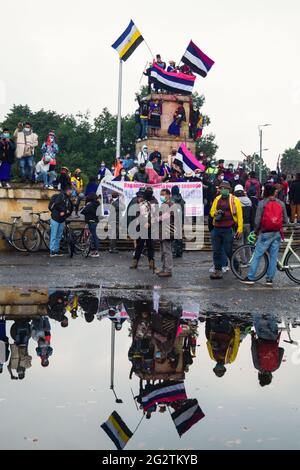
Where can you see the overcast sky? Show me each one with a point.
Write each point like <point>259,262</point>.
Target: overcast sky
<point>57,55</point>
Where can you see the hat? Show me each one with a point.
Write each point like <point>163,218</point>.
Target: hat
<point>78,170</point>
<point>238,188</point>
<point>225,185</point>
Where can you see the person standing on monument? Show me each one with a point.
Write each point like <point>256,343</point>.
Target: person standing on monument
<point>178,118</point>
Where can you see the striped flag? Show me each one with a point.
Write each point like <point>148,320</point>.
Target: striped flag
<point>174,82</point>
<point>128,41</point>
<point>167,392</point>
<point>198,61</point>
<point>117,430</point>
<point>187,160</point>
<point>186,416</point>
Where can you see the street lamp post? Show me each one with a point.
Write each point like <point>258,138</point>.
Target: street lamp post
<point>260,128</point>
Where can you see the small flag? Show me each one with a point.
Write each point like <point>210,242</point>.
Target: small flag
<point>171,81</point>
<point>187,160</point>
<point>186,416</point>
<point>167,392</point>
<point>198,61</point>
<point>117,430</point>
<point>128,41</point>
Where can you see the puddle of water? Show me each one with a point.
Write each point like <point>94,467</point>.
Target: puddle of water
<point>70,358</point>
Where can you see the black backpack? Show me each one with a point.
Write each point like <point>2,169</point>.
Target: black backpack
<point>52,202</point>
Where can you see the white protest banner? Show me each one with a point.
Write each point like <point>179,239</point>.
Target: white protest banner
<point>192,193</point>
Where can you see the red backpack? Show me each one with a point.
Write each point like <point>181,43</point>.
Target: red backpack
<point>268,355</point>
<point>272,219</point>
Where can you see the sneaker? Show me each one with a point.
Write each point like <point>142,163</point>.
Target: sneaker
<point>1,185</point>
<point>216,276</point>
<point>113,252</point>
<point>248,281</point>
<point>139,140</point>
<point>225,269</point>
<point>95,255</point>
<point>164,274</point>
<point>56,255</point>
<point>269,282</point>
<point>8,186</point>
<point>212,269</point>
<point>50,187</point>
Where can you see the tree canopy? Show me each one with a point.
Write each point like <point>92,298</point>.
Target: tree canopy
<point>290,161</point>
<point>84,142</point>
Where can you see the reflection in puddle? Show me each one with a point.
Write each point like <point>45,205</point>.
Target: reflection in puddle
<point>154,359</point>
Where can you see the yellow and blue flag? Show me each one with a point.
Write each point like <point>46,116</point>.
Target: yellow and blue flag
<point>117,430</point>
<point>128,41</point>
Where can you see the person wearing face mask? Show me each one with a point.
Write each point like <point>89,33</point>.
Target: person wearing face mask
<point>104,173</point>
<point>227,215</point>
<point>141,176</point>
<point>7,155</point>
<point>26,141</point>
<point>212,171</point>
<point>166,229</point>
<point>122,176</point>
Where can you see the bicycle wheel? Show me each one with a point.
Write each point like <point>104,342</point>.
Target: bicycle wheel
<point>46,237</point>
<point>293,262</point>
<point>79,239</point>
<point>70,242</point>
<point>16,240</point>
<point>32,239</point>
<point>241,261</point>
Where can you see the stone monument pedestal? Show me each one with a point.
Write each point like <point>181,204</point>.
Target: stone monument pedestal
<point>164,141</point>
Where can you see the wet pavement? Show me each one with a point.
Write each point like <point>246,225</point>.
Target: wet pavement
<point>221,377</point>
<point>190,276</point>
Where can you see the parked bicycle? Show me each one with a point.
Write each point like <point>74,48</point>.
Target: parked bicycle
<point>14,238</point>
<point>37,235</point>
<point>288,263</point>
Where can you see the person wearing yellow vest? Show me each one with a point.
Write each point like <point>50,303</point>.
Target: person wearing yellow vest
<point>77,185</point>
<point>223,342</point>
<point>227,215</point>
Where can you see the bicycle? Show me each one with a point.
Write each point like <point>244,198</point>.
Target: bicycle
<point>288,263</point>
<point>14,239</point>
<point>72,240</point>
<point>38,234</point>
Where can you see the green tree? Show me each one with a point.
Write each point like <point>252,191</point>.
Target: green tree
<point>290,161</point>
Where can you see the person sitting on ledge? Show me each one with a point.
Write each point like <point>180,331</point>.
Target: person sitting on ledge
<point>178,118</point>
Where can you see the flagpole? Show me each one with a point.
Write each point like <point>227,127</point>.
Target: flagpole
<point>112,363</point>
<point>119,126</point>
<point>138,425</point>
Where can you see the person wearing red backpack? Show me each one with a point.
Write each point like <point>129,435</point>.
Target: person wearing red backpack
<point>266,354</point>
<point>270,216</point>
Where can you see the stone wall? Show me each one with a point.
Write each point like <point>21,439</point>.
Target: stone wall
<point>20,201</point>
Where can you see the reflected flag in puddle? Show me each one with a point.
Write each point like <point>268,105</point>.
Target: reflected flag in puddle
<point>187,415</point>
<point>164,393</point>
<point>117,430</point>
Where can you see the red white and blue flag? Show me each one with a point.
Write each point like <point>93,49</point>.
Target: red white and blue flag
<point>187,160</point>
<point>199,62</point>
<point>180,83</point>
<point>187,416</point>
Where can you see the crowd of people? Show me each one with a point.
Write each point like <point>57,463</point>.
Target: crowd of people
<point>164,336</point>
<point>235,202</point>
